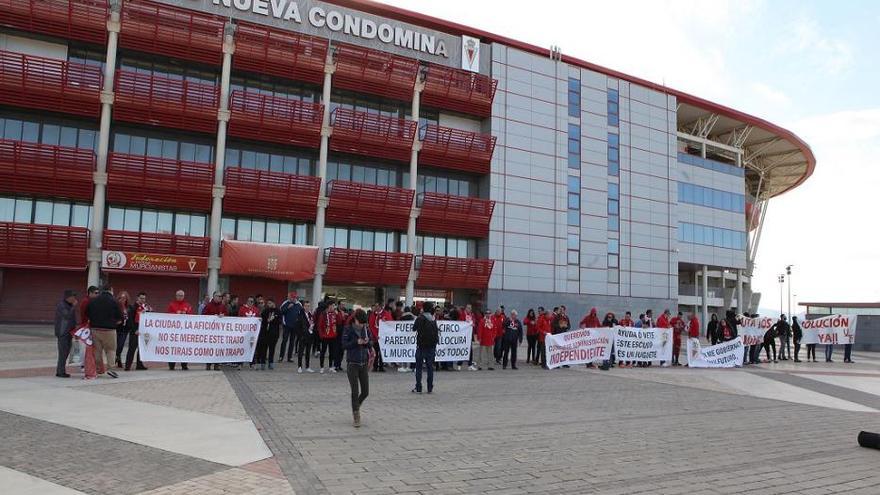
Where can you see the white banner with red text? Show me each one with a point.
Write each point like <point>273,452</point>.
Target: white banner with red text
<point>834,329</point>
<point>175,338</point>
<point>643,344</point>
<point>752,330</point>
<point>397,341</point>
<point>724,355</point>
<point>585,345</point>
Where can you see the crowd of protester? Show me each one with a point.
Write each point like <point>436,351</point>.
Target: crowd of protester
<point>93,331</point>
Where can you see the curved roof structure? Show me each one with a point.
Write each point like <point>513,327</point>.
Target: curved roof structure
<point>776,160</point>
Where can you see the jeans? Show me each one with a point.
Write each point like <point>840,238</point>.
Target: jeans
<point>532,352</point>
<point>756,354</point>
<point>425,357</point>
<point>288,343</point>
<point>63,351</point>
<point>304,347</point>
<point>784,347</point>
<point>829,350</point>
<point>487,354</point>
<point>510,350</point>
<point>359,381</point>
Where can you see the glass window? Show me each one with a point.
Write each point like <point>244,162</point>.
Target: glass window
<point>81,216</point>
<point>613,190</point>
<point>88,139</point>
<point>273,232</point>
<point>355,239</point>
<point>23,210</point>
<point>573,241</point>
<point>687,232</point>
<point>244,230</point>
<point>227,228</point>
<point>154,147</point>
<point>574,201</point>
<point>613,140</point>
<point>12,129</point>
<point>613,246</point>
<point>574,184</point>
<point>149,221</point>
<point>613,207</point>
<point>301,234</point>
<point>68,136</point>
<point>258,231</point>
<point>51,134</point>
<point>574,217</point>
<point>132,219</point>
<point>613,261</point>
<point>574,257</point>
<point>61,214</point>
<point>7,209</point>
<point>164,222</point>
<point>285,234</point>
<point>613,223</point>
<point>115,219</point>
<point>43,212</point>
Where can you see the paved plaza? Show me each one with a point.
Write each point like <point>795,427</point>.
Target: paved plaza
<point>770,429</point>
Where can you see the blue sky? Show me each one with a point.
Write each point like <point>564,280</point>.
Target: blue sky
<point>811,67</point>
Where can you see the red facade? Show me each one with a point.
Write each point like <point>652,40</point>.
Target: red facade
<point>276,119</point>
<point>43,246</point>
<point>281,53</point>
<point>366,267</point>
<point>83,20</point>
<point>171,31</point>
<point>45,170</point>
<point>155,243</point>
<point>271,194</point>
<point>164,101</point>
<point>456,149</point>
<point>441,272</point>
<point>371,134</point>
<point>49,84</point>
<point>459,90</point>
<point>366,205</point>
<point>378,73</point>
<point>159,182</point>
<point>444,214</point>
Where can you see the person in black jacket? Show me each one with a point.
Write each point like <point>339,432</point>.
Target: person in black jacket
<point>797,334</point>
<point>712,330</point>
<point>783,331</point>
<point>124,328</point>
<point>513,337</point>
<point>268,339</point>
<point>357,345</point>
<point>104,314</point>
<point>65,321</point>
<point>427,337</point>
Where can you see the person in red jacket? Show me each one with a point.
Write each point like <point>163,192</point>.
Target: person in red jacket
<point>486,336</point>
<point>249,309</point>
<point>327,334</point>
<point>467,315</point>
<point>386,314</point>
<point>498,324</point>
<point>693,328</point>
<point>678,324</point>
<point>179,307</point>
<point>531,324</point>
<point>626,321</point>
<point>591,320</point>
<point>544,329</point>
<point>217,307</point>
<point>663,322</point>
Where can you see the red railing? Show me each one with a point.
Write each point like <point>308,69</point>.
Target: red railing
<point>271,194</point>
<point>84,20</point>
<point>43,246</point>
<point>354,266</point>
<point>155,243</point>
<point>171,31</point>
<point>49,84</point>
<point>456,149</point>
<point>165,101</point>
<point>441,272</point>
<point>275,118</point>
<point>45,170</point>
<point>371,134</point>
<point>266,50</point>
<point>371,71</point>
<point>367,205</point>
<point>459,90</point>
<point>152,181</point>
<point>454,215</point>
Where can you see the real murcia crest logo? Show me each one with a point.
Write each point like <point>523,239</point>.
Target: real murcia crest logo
<point>272,263</point>
<point>470,53</point>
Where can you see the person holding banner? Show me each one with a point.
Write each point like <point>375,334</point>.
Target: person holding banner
<point>530,322</point>
<point>357,345</point>
<point>179,307</point>
<point>626,321</point>
<point>140,307</point>
<point>427,338</point>
<point>270,328</point>
<point>215,306</point>
<point>712,334</point>
<point>543,332</point>
<point>560,323</point>
<point>486,338</point>
<point>513,337</point>
<point>677,323</point>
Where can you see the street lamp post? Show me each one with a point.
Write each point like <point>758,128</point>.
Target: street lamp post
<point>781,296</point>
<point>788,272</point>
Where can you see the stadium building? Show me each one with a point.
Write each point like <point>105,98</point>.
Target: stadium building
<point>355,149</point>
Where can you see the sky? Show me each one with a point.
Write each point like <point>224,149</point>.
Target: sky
<point>809,66</point>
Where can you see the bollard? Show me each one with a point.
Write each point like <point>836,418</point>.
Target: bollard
<point>869,440</point>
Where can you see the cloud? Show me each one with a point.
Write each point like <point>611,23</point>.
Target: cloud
<point>770,94</point>
<point>804,37</point>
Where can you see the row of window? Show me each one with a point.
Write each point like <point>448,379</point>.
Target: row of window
<point>574,97</point>
<point>574,182</point>
<point>711,198</point>
<point>136,219</point>
<point>386,241</point>
<point>708,164</point>
<point>613,207</point>
<point>613,107</point>
<point>56,134</point>
<point>269,231</point>
<point>43,212</point>
<point>711,236</point>
<point>613,154</point>
<point>574,146</point>
<point>574,201</point>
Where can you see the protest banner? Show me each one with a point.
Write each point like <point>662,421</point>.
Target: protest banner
<point>586,345</point>
<point>752,330</point>
<point>724,355</point>
<point>197,338</point>
<point>834,329</point>
<point>643,344</point>
<point>397,341</point>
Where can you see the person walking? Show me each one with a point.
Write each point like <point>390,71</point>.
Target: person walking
<point>513,337</point>
<point>123,329</point>
<point>530,322</point>
<point>140,307</point>
<point>179,306</point>
<point>427,337</point>
<point>797,334</point>
<point>104,315</point>
<point>270,325</point>
<point>486,338</point>
<point>712,330</point>
<point>306,338</point>
<point>291,316</point>
<point>65,323</point>
<point>357,345</point>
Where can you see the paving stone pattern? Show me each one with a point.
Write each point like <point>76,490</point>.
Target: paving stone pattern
<point>567,431</point>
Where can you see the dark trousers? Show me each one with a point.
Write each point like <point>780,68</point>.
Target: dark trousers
<point>132,350</point>
<point>509,351</point>
<point>378,362</point>
<point>755,353</point>
<point>768,343</point>
<point>120,343</point>
<point>425,357</point>
<point>288,343</point>
<point>847,352</point>
<point>499,349</point>
<point>359,381</point>
<point>266,343</point>
<point>304,347</point>
<point>183,366</point>
<point>797,350</point>
<point>829,350</point>
<point>811,351</point>
<point>328,346</point>
<point>63,353</point>
<point>532,351</point>
<point>542,354</point>
<point>339,352</point>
